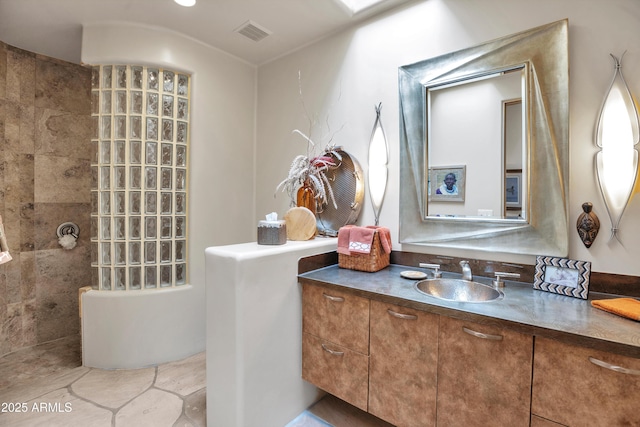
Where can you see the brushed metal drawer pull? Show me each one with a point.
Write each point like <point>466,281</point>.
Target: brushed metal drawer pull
<point>614,367</point>
<point>481,335</point>
<point>332,298</point>
<point>333,352</point>
<point>401,316</point>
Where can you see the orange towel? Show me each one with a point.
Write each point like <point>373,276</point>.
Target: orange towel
<point>625,307</point>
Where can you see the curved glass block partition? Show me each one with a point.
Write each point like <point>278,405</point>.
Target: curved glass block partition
<point>139,177</point>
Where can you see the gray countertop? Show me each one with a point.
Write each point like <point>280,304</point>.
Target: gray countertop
<point>523,308</point>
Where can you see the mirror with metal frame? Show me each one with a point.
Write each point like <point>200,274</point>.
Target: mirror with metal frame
<point>501,204</point>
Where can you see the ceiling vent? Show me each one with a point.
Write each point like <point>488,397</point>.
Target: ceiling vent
<point>253,31</point>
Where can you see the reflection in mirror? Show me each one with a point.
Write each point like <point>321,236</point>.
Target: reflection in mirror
<point>510,176</point>
<point>475,122</point>
<point>514,148</point>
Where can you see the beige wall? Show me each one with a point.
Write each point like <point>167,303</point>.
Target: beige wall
<point>45,178</point>
<point>345,75</point>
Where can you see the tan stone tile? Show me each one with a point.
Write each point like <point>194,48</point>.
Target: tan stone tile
<point>32,387</point>
<point>29,323</point>
<point>18,180</point>
<point>19,126</point>
<point>48,216</point>
<point>61,180</point>
<point>62,271</point>
<point>27,275</point>
<point>13,291</point>
<point>184,421</point>
<point>183,376</point>
<point>11,219</point>
<point>114,388</point>
<point>5,344</point>
<point>62,86</point>
<point>61,133</point>
<point>60,408</point>
<point>57,316</point>
<point>26,227</point>
<point>39,362</point>
<point>3,114</point>
<point>21,74</point>
<point>195,408</point>
<point>153,408</point>
<point>3,72</point>
<point>14,325</point>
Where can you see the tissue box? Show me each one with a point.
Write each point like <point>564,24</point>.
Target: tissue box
<point>272,232</point>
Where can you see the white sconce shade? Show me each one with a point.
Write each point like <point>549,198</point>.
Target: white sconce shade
<point>378,160</point>
<point>186,3</point>
<point>617,132</point>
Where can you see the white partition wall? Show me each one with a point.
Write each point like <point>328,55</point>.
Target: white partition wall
<point>254,333</point>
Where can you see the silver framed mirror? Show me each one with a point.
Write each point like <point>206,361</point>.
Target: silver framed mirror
<point>538,58</point>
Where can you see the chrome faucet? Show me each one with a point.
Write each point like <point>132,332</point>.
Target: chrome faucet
<point>466,271</point>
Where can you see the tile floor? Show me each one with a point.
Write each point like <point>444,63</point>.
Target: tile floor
<point>49,382</point>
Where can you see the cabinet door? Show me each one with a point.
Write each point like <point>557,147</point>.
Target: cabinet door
<point>335,369</point>
<point>484,375</point>
<point>576,386</point>
<point>541,422</point>
<point>403,365</point>
<point>336,316</point>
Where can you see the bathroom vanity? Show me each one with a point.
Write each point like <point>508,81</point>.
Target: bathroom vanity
<point>530,358</point>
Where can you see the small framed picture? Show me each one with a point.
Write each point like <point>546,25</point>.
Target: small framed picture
<point>447,184</point>
<point>513,189</point>
<point>562,276</point>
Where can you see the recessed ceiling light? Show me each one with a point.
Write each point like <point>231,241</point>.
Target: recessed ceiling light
<point>185,3</point>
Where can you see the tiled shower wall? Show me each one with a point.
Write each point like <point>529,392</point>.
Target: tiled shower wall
<point>45,129</point>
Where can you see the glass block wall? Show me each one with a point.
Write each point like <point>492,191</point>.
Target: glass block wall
<point>139,177</point>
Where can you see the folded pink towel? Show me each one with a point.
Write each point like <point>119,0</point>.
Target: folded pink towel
<point>344,235</point>
<point>356,239</point>
<point>360,239</point>
<point>385,237</point>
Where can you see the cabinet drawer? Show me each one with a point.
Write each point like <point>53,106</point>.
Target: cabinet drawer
<point>339,317</point>
<point>336,369</point>
<point>571,387</point>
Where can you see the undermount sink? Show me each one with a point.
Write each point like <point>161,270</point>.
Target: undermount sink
<point>458,290</point>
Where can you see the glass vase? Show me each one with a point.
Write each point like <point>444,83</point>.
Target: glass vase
<point>306,196</point>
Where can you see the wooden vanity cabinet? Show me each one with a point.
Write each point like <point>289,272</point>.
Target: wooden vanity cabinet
<point>576,386</point>
<point>403,365</point>
<point>484,375</point>
<point>335,343</point>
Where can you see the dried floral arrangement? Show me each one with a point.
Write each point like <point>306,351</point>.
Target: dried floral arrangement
<point>312,168</point>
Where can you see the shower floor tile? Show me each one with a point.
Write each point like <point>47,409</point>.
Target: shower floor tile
<point>61,355</point>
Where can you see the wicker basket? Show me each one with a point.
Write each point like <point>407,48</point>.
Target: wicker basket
<point>375,260</point>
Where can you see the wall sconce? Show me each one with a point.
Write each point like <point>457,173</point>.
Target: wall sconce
<point>617,133</point>
<point>378,159</point>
